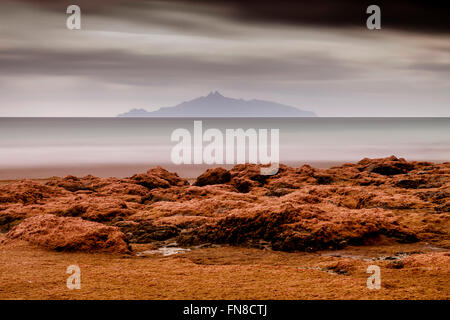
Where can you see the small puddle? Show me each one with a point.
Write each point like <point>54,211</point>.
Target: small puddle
<point>330,271</point>
<point>396,256</point>
<point>165,251</point>
<point>435,248</point>
<point>341,255</point>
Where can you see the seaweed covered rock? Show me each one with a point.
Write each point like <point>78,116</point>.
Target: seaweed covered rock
<point>26,192</point>
<point>74,184</point>
<point>294,228</point>
<point>213,176</point>
<point>298,208</point>
<point>158,178</point>
<point>69,234</point>
<point>146,232</point>
<point>386,166</point>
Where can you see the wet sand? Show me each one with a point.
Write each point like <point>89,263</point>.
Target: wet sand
<point>227,272</point>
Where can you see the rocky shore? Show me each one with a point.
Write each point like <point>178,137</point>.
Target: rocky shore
<point>298,209</point>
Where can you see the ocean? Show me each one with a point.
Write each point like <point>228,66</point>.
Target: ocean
<point>42,147</point>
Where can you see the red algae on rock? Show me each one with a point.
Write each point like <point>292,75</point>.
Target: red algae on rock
<point>301,208</point>
<point>69,234</point>
<point>213,176</point>
<point>158,178</point>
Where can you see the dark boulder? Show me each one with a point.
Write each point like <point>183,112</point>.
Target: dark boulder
<point>213,176</point>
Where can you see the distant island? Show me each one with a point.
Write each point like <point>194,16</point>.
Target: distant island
<point>216,105</point>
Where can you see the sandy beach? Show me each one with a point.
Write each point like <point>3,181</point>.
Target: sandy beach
<point>304,233</point>
<point>226,273</point>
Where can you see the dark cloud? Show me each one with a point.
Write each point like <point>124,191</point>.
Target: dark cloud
<point>136,69</point>
<point>156,53</point>
<point>415,15</point>
<point>409,15</point>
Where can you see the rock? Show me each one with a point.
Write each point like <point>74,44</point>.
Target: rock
<point>251,172</point>
<point>158,178</point>
<point>213,176</point>
<point>278,192</point>
<point>74,184</point>
<point>243,185</point>
<point>8,220</point>
<point>305,208</point>
<point>26,192</point>
<point>386,166</point>
<point>69,234</point>
<point>409,183</point>
<point>434,196</point>
<point>443,207</point>
<point>324,178</point>
<point>146,232</point>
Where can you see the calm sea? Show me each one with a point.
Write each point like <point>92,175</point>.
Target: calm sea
<point>40,147</point>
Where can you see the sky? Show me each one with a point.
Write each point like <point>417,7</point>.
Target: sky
<point>314,55</point>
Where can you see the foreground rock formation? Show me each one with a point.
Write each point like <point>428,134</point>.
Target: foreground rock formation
<point>301,208</point>
<point>69,234</point>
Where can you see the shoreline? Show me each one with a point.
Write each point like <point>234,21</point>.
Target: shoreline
<point>126,170</point>
<point>106,170</point>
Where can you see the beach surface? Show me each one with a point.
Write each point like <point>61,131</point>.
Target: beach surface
<point>303,233</point>
<point>226,272</point>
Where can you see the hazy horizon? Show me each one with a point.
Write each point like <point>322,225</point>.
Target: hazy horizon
<point>34,146</point>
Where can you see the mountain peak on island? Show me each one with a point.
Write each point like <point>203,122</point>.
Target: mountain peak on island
<point>215,94</point>
<point>216,105</point>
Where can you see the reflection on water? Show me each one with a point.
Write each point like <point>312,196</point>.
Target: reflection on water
<point>165,251</point>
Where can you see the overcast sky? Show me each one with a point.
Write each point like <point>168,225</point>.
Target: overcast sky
<point>147,54</point>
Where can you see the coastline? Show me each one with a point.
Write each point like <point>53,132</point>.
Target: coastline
<point>317,229</point>
<point>107,170</point>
